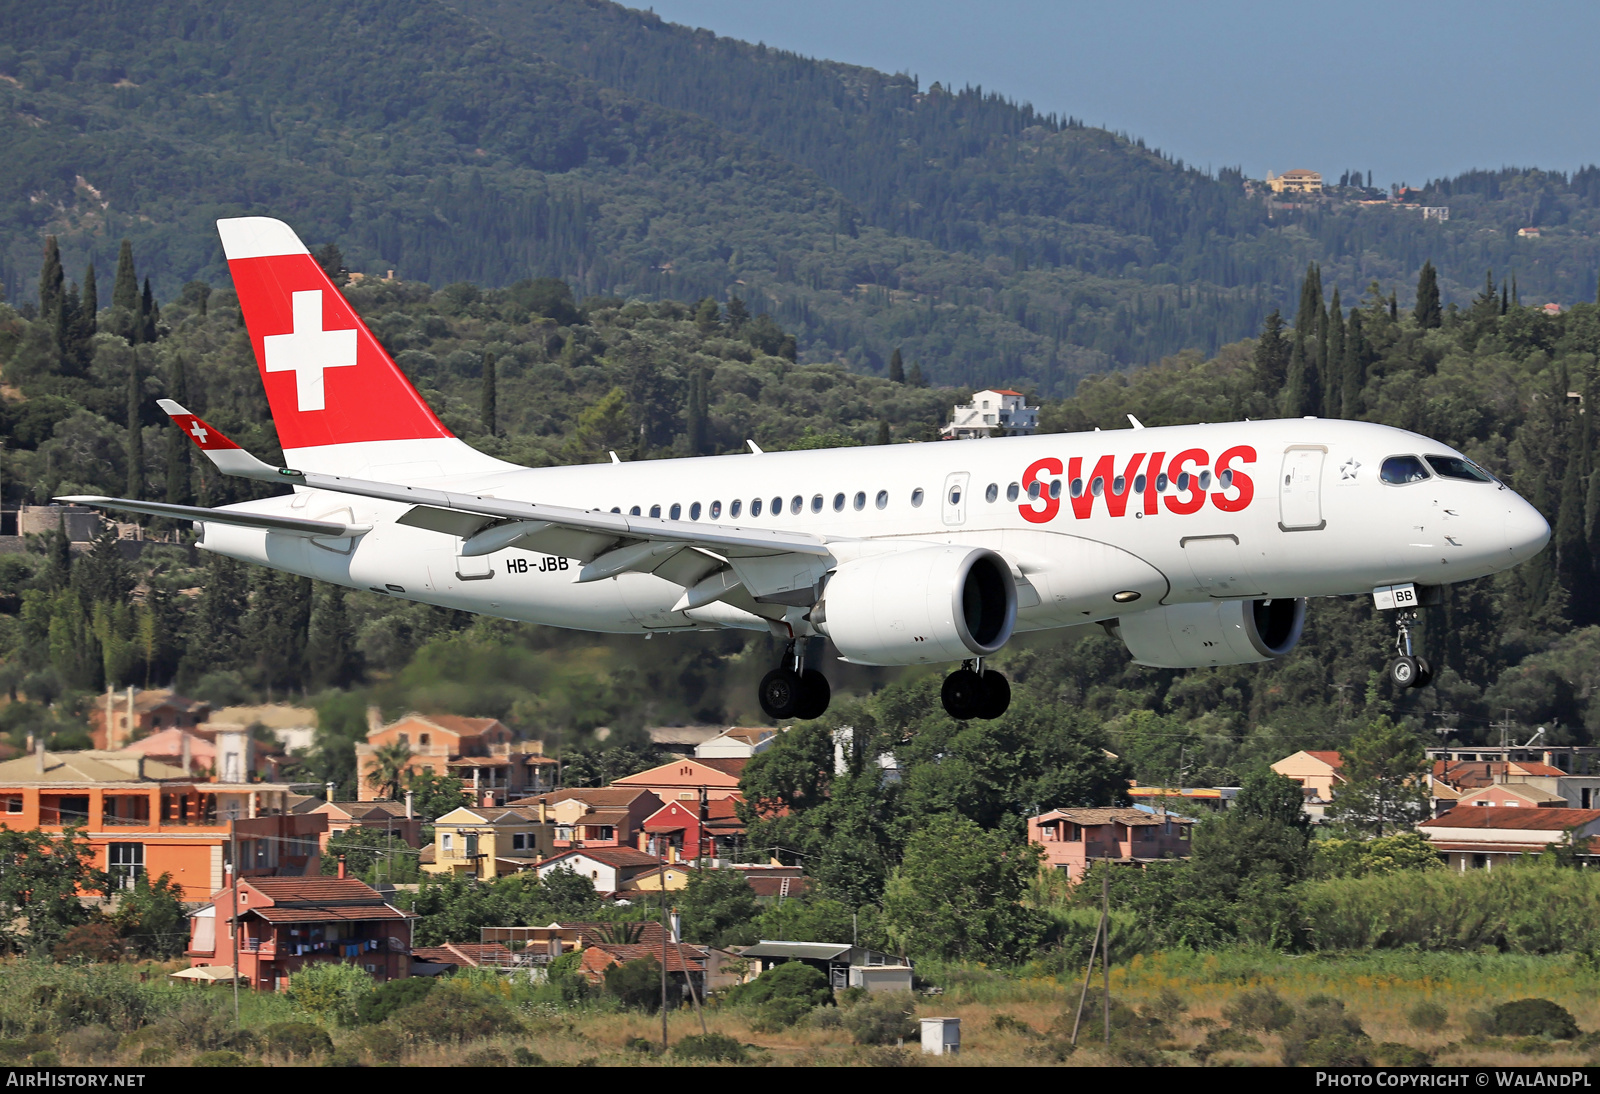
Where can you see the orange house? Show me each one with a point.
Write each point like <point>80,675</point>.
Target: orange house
<point>1073,838</point>
<point>481,752</point>
<point>141,816</point>
<point>685,779</point>
<point>130,714</point>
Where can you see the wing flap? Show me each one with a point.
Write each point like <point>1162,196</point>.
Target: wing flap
<point>295,526</point>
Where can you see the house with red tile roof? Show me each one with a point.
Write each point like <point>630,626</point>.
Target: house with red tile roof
<point>271,927</point>
<point>688,778</point>
<point>460,955</point>
<point>1319,773</point>
<point>603,816</point>
<point>482,752</point>
<point>1577,790</point>
<point>615,869</point>
<point>397,819</point>
<point>1479,837</point>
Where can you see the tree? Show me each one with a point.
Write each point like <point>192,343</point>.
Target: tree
<point>489,411</point>
<point>1298,397</point>
<point>371,853</point>
<point>883,433</point>
<point>149,315</point>
<point>125,289</point>
<point>717,908</point>
<point>390,764</point>
<point>432,796</point>
<point>150,917</point>
<point>1385,788</point>
<point>897,368</point>
<point>178,489</point>
<point>958,894</point>
<point>1354,366</point>
<point>52,285</point>
<point>330,992</point>
<point>40,885</point>
<point>914,377</point>
<point>331,259</point>
<point>636,984</point>
<point>135,429</point>
<point>1427,312</point>
<point>708,316</point>
<point>1272,354</point>
<point>332,660</point>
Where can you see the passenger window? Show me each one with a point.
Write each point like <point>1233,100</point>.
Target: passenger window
<point>694,511</point>
<point>655,510</point>
<point>955,495</point>
<point>1012,491</point>
<point>676,511</point>
<point>816,503</point>
<point>1033,489</point>
<point>733,508</point>
<point>777,507</point>
<point>916,497</point>
<point>861,500</point>
<point>1161,483</point>
<point>1055,488</point>
<point>1119,484</point>
<point>1205,480</point>
<point>1454,467</point>
<point>716,510</point>
<point>634,511</point>
<point>1183,480</point>
<point>992,494</point>
<point>1097,486</point>
<point>1138,484</point>
<point>1077,488</point>
<point>1400,470</point>
<point>755,507</point>
<point>883,499</point>
<point>1225,479</point>
<point>796,503</point>
<point>838,503</point>
<point>616,509</point>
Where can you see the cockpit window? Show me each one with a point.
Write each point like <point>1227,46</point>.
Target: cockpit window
<point>1454,467</point>
<point>1399,470</point>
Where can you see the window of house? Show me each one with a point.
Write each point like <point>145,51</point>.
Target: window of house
<point>519,842</point>
<point>447,843</point>
<point>471,847</point>
<point>404,738</point>
<point>422,740</point>
<point>125,862</point>
<point>13,803</point>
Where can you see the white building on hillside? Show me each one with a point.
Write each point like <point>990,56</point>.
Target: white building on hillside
<point>997,412</point>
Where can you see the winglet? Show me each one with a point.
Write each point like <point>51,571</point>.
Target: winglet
<point>228,457</point>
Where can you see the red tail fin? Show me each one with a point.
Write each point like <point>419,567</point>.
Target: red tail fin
<point>328,379</point>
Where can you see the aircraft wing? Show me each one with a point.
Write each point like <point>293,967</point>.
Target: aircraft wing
<point>711,561</point>
<point>292,525</point>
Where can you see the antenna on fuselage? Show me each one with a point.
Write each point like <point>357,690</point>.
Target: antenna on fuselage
<point>1135,422</point>
<point>615,458</point>
<point>755,449</point>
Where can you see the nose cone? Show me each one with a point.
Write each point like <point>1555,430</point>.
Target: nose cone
<point>1526,532</point>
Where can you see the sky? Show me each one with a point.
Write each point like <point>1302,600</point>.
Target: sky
<point>1406,91</point>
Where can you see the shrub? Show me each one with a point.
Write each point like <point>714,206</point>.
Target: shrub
<point>1533,1018</point>
<point>377,1005</point>
<point>636,983</point>
<point>1262,1009</point>
<point>782,996</point>
<point>710,1046</point>
<point>487,1057</point>
<point>526,1057</point>
<point>97,941</point>
<point>222,1058</point>
<point>882,1019</point>
<point>380,1044</point>
<point>1225,1040</point>
<point>1323,1035</point>
<point>294,1039</point>
<point>1393,1054</point>
<point>89,1044</point>
<point>452,1013</point>
<point>1428,1017</point>
<point>642,1045</point>
<point>1006,1023</point>
<point>330,992</point>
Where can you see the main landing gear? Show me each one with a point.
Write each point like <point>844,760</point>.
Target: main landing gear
<point>975,692</point>
<point>1408,670</point>
<point>793,691</point>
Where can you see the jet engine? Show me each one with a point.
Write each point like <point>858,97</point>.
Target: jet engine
<point>919,606</point>
<point>1217,632</point>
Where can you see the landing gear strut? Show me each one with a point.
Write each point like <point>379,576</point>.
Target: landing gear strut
<point>1408,670</point>
<point>793,691</point>
<point>975,692</point>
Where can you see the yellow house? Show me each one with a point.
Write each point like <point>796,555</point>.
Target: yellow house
<point>1318,773</point>
<point>1298,181</point>
<point>489,843</point>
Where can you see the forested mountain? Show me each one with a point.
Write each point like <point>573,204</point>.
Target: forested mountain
<point>496,140</point>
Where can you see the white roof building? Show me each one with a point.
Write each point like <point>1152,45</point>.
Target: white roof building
<point>995,412</point>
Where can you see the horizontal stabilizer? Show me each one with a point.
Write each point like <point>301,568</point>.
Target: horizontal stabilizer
<point>297,526</point>
<point>228,457</point>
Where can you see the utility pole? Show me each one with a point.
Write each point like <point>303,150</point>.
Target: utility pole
<point>233,863</point>
<point>1504,727</point>
<point>661,876</point>
<point>1105,951</point>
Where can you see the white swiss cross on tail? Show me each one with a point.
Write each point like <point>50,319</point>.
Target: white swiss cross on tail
<point>308,350</point>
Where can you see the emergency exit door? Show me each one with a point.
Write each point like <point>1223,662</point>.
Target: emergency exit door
<point>1300,489</point>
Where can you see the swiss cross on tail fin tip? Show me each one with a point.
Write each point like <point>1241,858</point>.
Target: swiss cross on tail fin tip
<point>228,457</point>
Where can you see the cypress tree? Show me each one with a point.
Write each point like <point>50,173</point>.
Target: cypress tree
<point>178,491</point>
<point>1572,549</point>
<point>91,297</point>
<point>914,377</point>
<point>1505,298</point>
<point>489,409</point>
<point>1427,311</point>
<point>125,289</point>
<point>135,433</point>
<point>52,281</point>
<point>331,657</point>
<point>149,313</point>
<point>1297,385</point>
<point>1333,368</point>
<point>883,433</point>
<point>1354,365</point>
<point>1394,307</point>
<point>897,367</point>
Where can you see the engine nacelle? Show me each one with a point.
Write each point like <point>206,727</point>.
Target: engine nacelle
<point>1217,632</point>
<point>923,605</point>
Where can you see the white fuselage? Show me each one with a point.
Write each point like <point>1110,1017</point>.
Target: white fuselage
<point>1303,513</point>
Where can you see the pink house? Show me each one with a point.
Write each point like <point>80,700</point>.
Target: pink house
<point>1072,838</point>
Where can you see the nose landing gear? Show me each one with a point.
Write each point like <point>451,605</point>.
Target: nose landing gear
<point>1408,670</point>
<point>975,692</point>
<point>793,691</point>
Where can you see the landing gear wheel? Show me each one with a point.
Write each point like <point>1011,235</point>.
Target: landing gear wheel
<point>1424,674</point>
<point>812,701</point>
<point>964,695</point>
<point>997,694</point>
<point>1403,671</point>
<point>779,693</point>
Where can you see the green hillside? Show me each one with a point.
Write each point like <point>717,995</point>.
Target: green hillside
<point>493,141</point>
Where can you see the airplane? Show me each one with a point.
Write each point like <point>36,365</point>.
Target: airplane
<point>1195,545</point>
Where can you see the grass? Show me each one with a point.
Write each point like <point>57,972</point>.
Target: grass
<point>1008,1018</point>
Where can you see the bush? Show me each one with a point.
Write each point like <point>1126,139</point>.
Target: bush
<point>636,983</point>
<point>526,1057</point>
<point>330,993</point>
<point>1262,1009</point>
<point>222,1058</point>
<point>1323,1035</point>
<point>455,1013</point>
<point>377,1005</point>
<point>1533,1018</point>
<point>1225,1040</point>
<point>883,1018</point>
<point>380,1044</point>
<point>296,1039</point>
<point>782,996</point>
<point>97,941</point>
<point>90,1044</point>
<point>710,1046</point>
<point>1428,1017</point>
